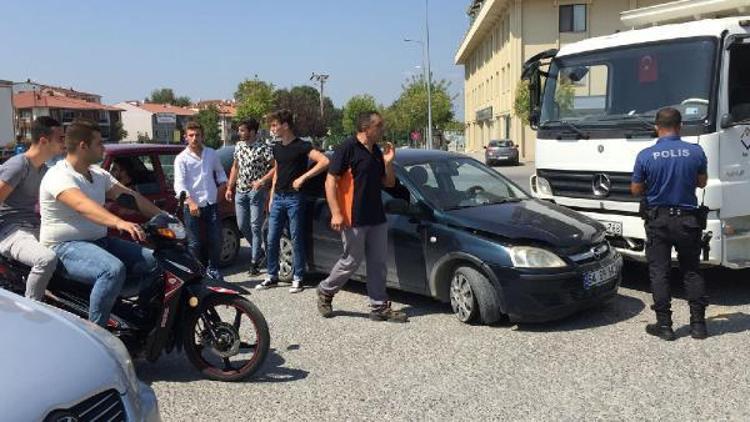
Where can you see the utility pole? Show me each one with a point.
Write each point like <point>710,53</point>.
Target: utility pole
<point>321,79</point>
<point>429,75</point>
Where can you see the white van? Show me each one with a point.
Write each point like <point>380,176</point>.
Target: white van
<point>593,104</point>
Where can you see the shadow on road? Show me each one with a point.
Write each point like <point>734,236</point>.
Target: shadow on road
<point>176,368</point>
<point>619,309</point>
<point>729,323</point>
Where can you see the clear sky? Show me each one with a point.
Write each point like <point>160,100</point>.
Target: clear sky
<point>124,49</point>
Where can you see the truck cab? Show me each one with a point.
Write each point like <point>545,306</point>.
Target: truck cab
<point>593,105</point>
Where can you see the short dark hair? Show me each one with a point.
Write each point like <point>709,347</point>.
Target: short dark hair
<point>282,116</point>
<point>668,118</point>
<point>251,124</point>
<point>364,119</point>
<point>42,127</point>
<point>193,125</point>
<point>81,130</point>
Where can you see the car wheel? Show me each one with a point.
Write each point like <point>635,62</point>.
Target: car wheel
<point>472,296</point>
<point>230,243</point>
<point>286,259</point>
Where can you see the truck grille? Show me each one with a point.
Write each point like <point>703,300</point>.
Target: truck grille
<point>580,184</point>
<point>106,406</point>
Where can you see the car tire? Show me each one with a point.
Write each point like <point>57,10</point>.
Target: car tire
<point>230,243</point>
<point>286,258</point>
<point>473,297</point>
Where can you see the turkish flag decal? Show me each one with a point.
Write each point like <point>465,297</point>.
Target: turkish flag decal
<point>648,69</point>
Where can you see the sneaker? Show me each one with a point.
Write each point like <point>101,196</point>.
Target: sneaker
<point>324,304</point>
<point>268,283</point>
<point>386,313</point>
<point>254,270</point>
<point>296,287</point>
<point>664,332</point>
<point>215,274</point>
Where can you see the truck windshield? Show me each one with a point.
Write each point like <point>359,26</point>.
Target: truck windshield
<point>627,86</point>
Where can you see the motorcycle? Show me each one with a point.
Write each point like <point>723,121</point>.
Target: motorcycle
<point>182,309</point>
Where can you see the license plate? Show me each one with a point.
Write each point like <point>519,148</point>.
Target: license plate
<point>600,276</point>
<point>614,228</point>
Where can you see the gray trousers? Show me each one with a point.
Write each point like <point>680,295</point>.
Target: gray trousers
<point>368,244</point>
<point>21,244</point>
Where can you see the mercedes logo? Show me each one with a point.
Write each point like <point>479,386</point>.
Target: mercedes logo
<point>601,185</point>
<point>600,148</point>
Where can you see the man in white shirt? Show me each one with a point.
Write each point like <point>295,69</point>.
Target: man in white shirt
<point>74,222</point>
<point>198,172</point>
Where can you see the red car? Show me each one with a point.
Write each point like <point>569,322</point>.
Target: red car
<point>149,170</point>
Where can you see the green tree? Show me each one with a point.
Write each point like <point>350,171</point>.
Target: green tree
<point>304,103</point>
<point>522,101</point>
<point>255,98</point>
<point>118,133</point>
<point>209,120</point>
<point>409,111</point>
<point>356,105</point>
<point>166,96</point>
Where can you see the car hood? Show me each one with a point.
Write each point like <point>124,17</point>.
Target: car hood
<point>530,221</point>
<point>50,359</point>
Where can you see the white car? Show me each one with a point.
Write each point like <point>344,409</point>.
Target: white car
<point>55,366</point>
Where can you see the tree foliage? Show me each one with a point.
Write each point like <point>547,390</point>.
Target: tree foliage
<point>409,111</point>
<point>167,96</point>
<point>522,101</point>
<point>356,105</point>
<point>209,120</point>
<point>255,98</point>
<point>304,103</point>
<point>118,132</point>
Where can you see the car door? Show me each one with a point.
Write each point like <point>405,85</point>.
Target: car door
<point>165,170</point>
<point>144,180</point>
<point>406,242</point>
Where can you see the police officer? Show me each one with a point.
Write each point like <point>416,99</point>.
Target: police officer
<point>668,173</point>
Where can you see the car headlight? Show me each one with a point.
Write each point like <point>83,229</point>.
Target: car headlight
<point>543,186</point>
<point>531,257</point>
<point>178,229</point>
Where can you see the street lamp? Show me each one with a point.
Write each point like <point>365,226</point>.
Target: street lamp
<point>428,79</point>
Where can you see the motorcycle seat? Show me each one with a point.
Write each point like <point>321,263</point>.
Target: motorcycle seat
<point>130,289</point>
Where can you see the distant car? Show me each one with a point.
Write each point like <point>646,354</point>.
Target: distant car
<point>501,151</point>
<point>153,168</point>
<point>462,233</point>
<point>55,366</point>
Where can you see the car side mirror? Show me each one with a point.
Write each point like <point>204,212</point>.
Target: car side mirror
<point>127,201</point>
<point>726,121</point>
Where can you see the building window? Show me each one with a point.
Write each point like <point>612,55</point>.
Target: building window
<point>573,18</point>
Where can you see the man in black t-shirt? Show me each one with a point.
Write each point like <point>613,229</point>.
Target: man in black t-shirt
<point>291,156</point>
<point>359,171</point>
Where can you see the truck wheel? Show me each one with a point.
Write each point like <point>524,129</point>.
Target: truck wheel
<point>230,243</point>
<point>473,297</point>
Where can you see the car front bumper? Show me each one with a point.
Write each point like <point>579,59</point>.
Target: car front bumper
<point>541,297</point>
<point>141,405</point>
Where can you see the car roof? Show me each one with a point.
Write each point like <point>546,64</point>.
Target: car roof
<point>126,149</point>
<point>408,156</point>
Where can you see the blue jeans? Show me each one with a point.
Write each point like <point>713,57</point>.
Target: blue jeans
<point>286,206</point>
<point>105,263</point>
<point>209,215</point>
<point>250,208</point>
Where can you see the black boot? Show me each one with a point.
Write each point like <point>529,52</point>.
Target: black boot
<point>663,326</point>
<point>698,329</point>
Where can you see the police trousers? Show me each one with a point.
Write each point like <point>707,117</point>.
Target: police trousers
<point>683,232</point>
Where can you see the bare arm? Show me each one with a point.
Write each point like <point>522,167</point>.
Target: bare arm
<point>232,178</point>
<point>5,191</point>
<point>321,163</point>
<point>146,207</point>
<point>702,180</point>
<point>638,189</point>
<point>332,187</point>
<point>78,201</point>
<point>389,154</point>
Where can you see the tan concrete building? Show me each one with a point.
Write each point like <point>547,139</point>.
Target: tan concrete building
<point>505,33</point>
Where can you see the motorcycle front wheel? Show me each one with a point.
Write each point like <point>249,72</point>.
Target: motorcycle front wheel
<point>227,338</point>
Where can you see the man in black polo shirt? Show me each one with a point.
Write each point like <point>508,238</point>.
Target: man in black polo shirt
<point>357,174</point>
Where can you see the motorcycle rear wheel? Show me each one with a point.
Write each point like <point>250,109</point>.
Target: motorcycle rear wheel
<point>214,335</point>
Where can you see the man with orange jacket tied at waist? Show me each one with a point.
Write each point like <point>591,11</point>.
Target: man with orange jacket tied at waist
<point>356,176</point>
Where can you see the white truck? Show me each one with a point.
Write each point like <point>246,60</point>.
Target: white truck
<point>7,131</point>
<point>593,105</point>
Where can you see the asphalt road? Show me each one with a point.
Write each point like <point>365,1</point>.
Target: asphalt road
<point>598,365</point>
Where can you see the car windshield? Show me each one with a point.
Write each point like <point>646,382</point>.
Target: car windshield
<point>500,144</point>
<point>461,182</point>
<point>627,86</point>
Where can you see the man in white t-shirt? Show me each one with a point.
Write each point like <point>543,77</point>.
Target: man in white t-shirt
<point>74,222</point>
